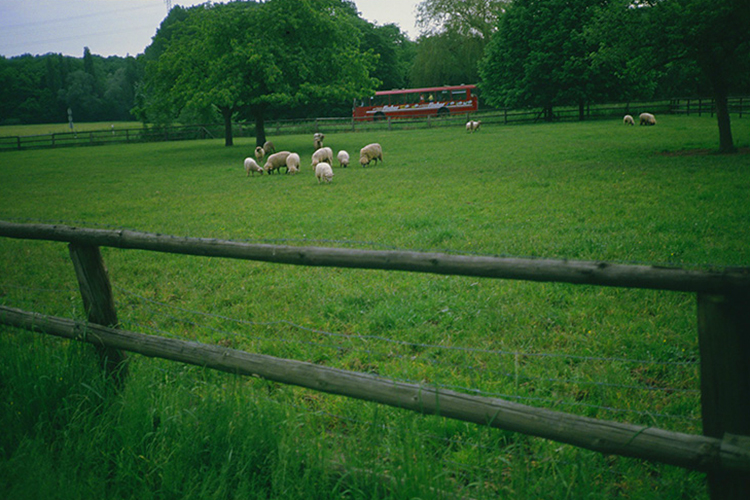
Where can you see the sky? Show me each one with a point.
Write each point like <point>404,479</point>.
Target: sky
<point>125,27</point>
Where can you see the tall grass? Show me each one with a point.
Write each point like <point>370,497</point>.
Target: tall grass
<point>579,191</point>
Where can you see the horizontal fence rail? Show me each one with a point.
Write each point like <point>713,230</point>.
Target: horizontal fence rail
<point>674,448</point>
<point>688,106</point>
<point>578,272</point>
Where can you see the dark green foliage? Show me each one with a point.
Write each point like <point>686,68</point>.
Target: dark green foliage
<point>542,56</point>
<point>447,59</point>
<point>40,89</point>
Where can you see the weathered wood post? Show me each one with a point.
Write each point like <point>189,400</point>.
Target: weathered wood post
<point>724,338</point>
<point>99,303</point>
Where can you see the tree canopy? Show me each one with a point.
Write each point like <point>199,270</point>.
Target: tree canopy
<point>543,55</point>
<point>253,58</point>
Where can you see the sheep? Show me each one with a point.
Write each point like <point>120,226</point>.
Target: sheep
<point>370,152</point>
<point>628,120</point>
<point>292,163</point>
<point>472,125</point>
<point>322,154</point>
<point>259,154</point>
<point>318,140</point>
<point>251,166</point>
<point>276,161</point>
<point>268,147</point>
<point>647,119</point>
<point>323,172</point>
<point>343,158</point>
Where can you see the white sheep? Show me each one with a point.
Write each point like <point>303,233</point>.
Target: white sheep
<point>343,158</point>
<point>323,172</point>
<point>251,166</point>
<point>318,140</point>
<point>276,161</point>
<point>322,154</point>
<point>647,119</point>
<point>369,153</point>
<point>292,163</point>
<point>472,125</point>
<point>269,148</point>
<point>259,154</point>
<point>628,120</point>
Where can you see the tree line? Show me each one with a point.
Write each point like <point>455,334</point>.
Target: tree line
<point>249,60</point>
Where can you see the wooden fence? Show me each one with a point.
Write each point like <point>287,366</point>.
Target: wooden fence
<point>688,106</point>
<point>723,299</point>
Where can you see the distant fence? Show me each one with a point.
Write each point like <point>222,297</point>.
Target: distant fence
<point>723,299</point>
<point>688,106</point>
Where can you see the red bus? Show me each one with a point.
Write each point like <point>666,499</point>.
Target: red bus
<point>411,103</point>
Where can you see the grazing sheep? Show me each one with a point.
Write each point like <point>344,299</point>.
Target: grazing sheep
<point>292,163</point>
<point>323,172</point>
<point>276,161</point>
<point>251,166</point>
<point>647,119</point>
<point>318,140</point>
<point>269,148</point>
<point>322,154</point>
<point>369,153</point>
<point>472,125</point>
<point>628,120</point>
<point>259,154</point>
<point>343,158</point>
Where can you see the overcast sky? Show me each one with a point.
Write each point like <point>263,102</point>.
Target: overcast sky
<point>122,27</point>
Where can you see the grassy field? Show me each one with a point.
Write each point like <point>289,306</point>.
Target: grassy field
<point>596,190</point>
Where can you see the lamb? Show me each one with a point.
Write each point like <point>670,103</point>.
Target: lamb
<point>647,119</point>
<point>343,158</point>
<point>292,163</point>
<point>472,125</point>
<point>318,140</point>
<point>322,154</point>
<point>369,153</point>
<point>323,172</point>
<point>251,166</point>
<point>628,120</point>
<point>276,161</point>
<point>268,147</point>
<point>259,154</point>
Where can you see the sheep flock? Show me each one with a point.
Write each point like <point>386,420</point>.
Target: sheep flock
<point>321,160</point>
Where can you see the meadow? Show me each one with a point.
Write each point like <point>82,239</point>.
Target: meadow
<point>586,191</point>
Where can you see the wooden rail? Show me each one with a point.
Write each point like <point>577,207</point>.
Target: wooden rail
<point>549,270</point>
<point>684,450</point>
<point>723,300</point>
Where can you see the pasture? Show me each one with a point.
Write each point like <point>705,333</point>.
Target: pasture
<point>586,191</point>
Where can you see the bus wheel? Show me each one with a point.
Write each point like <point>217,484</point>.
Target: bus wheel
<point>443,112</point>
<point>379,116</point>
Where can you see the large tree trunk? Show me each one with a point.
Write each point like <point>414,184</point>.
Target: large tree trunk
<point>227,114</point>
<point>714,68</point>
<point>726,141</point>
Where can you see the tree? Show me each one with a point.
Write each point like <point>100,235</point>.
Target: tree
<point>465,17</point>
<point>394,50</point>
<point>254,58</point>
<point>542,56</point>
<point>713,34</point>
<point>446,59</point>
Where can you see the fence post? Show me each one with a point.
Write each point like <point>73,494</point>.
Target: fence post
<point>99,303</point>
<point>724,339</point>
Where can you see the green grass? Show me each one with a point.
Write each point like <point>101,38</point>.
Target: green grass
<point>596,190</point>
